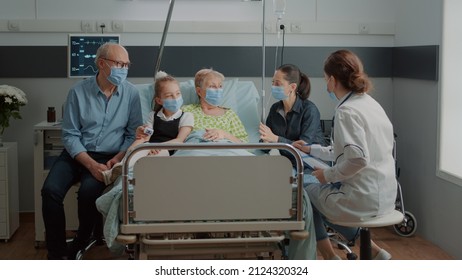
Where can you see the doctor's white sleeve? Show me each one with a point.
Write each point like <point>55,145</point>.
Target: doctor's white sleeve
<point>324,153</point>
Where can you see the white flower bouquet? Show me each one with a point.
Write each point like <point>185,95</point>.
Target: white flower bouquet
<point>11,98</point>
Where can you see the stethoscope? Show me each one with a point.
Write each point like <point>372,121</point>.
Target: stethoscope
<point>333,119</point>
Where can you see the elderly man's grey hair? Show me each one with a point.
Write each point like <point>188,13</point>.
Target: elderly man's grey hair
<point>104,50</point>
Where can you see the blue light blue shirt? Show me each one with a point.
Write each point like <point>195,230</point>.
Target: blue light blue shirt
<point>92,123</point>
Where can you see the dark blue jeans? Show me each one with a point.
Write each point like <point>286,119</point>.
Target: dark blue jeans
<point>64,173</point>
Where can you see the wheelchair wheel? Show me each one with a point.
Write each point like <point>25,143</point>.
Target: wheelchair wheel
<point>408,227</point>
<point>352,256</point>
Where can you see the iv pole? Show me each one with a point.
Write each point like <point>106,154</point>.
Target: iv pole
<point>263,64</point>
<point>164,36</point>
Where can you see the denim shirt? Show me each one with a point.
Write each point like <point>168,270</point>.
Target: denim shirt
<point>303,122</point>
<point>93,123</point>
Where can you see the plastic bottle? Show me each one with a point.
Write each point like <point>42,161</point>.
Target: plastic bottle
<point>51,114</point>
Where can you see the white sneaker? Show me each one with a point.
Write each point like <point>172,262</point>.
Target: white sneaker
<point>382,255</point>
<point>112,174</point>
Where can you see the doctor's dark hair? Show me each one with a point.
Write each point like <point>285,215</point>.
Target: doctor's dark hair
<point>347,68</point>
<point>292,74</point>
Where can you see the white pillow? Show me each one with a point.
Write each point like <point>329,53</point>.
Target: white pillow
<point>188,91</point>
<point>146,92</point>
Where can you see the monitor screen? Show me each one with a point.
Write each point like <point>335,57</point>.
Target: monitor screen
<point>82,52</point>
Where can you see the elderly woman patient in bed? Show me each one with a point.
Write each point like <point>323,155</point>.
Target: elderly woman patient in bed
<point>166,123</point>
<point>212,121</point>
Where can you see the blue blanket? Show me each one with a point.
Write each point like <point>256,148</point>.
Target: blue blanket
<point>196,137</point>
<point>109,205</point>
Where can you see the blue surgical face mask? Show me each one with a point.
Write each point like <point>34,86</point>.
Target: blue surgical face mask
<point>214,96</point>
<point>278,93</point>
<point>332,95</point>
<point>117,76</point>
<point>172,105</point>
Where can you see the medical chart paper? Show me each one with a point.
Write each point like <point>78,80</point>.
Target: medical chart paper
<point>312,162</point>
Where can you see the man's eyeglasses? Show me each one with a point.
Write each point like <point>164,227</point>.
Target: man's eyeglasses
<point>119,64</point>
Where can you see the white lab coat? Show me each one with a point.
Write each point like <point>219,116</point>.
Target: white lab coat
<point>364,163</point>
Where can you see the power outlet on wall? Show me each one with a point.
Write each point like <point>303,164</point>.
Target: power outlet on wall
<point>103,26</point>
<point>117,26</point>
<point>13,25</point>
<point>295,27</point>
<point>363,28</point>
<point>87,26</point>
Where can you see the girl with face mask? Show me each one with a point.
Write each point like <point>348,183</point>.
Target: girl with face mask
<point>166,123</point>
<point>293,117</point>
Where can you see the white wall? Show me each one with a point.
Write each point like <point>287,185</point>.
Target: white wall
<point>143,21</point>
<point>434,202</point>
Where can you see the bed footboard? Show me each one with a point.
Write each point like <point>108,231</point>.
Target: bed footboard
<point>211,204</point>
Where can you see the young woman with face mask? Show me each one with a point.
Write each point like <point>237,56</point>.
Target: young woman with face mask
<point>166,123</point>
<point>293,117</point>
<point>217,122</point>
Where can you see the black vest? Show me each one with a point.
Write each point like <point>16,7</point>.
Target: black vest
<point>165,130</point>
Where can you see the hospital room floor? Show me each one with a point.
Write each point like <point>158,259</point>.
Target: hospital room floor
<point>22,246</point>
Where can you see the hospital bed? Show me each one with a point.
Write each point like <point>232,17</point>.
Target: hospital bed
<point>230,200</point>
<point>211,205</point>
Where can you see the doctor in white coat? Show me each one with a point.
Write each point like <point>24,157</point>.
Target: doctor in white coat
<point>362,182</point>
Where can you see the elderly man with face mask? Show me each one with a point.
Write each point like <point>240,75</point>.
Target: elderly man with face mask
<point>100,118</point>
